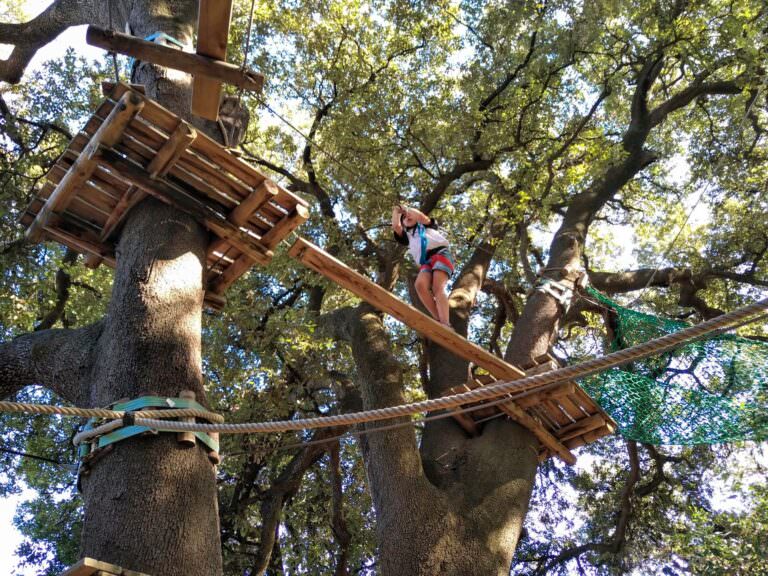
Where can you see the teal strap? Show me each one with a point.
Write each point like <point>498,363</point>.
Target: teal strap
<point>154,37</point>
<point>423,237</point>
<point>163,36</point>
<point>129,431</point>
<point>156,402</point>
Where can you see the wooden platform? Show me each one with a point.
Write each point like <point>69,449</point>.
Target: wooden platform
<point>132,147</point>
<point>91,567</point>
<point>563,409</point>
<point>550,424</point>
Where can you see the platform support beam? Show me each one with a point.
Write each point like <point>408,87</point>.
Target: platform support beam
<point>213,17</point>
<point>193,64</point>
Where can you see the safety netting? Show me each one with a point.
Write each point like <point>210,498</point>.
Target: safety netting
<point>706,392</point>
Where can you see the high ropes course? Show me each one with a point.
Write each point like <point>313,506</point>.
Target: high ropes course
<point>132,147</point>
<point>663,382</point>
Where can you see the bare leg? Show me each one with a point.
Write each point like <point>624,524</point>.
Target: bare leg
<point>424,290</point>
<point>439,280</point>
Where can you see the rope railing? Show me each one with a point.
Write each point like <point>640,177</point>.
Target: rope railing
<point>498,392</point>
<point>507,389</point>
<point>106,413</point>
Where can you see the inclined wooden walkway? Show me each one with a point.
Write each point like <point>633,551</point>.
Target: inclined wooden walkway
<point>567,414</point>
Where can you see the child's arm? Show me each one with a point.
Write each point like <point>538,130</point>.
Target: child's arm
<point>396,225</point>
<point>420,217</point>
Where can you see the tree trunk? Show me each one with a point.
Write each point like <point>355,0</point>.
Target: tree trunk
<point>150,504</point>
<point>457,507</point>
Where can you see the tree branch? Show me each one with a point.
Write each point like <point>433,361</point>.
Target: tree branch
<point>28,37</point>
<point>60,360</point>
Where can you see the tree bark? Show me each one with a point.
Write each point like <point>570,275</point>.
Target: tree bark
<point>150,504</point>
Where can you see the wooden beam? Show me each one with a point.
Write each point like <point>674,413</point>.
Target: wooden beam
<point>285,226</point>
<point>580,427</point>
<point>179,140</point>
<point>107,86</point>
<point>185,202</point>
<point>213,18</point>
<point>548,440</point>
<point>323,263</point>
<point>172,58</point>
<point>91,567</point>
<point>109,133</point>
<point>240,214</point>
<point>530,400</point>
<point>127,201</point>
<point>466,422</point>
<point>231,274</point>
<point>82,244</point>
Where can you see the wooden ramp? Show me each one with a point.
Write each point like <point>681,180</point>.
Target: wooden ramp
<point>133,147</point>
<point>545,428</point>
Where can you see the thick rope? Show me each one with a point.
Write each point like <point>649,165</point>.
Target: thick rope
<point>503,391</point>
<point>514,387</point>
<point>104,413</point>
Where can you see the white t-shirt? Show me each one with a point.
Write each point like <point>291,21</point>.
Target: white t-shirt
<point>412,237</point>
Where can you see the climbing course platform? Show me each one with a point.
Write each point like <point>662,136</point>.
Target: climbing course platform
<point>563,409</point>
<point>562,418</point>
<point>133,147</point>
<point>91,567</point>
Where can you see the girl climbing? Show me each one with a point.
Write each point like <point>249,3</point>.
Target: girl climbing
<point>431,251</point>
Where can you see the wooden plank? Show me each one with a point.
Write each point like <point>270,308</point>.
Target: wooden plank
<point>214,301</point>
<point>108,134</point>
<point>92,261</point>
<point>209,149</point>
<point>258,196</point>
<point>325,264</point>
<point>107,86</point>
<point>544,436</point>
<point>287,225</point>
<point>465,421</point>
<point>213,20</point>
<point>173,148</point>
<point>189,204</point>
<point>173,58</point>
<point>130,199</point>
<point>536,398</point>
<point>91,567</point>
<point>580,427</point>
<point>239,216</point>
<point>81,242</point>
<point>231,273</point>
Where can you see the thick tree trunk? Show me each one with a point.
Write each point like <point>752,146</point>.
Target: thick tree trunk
<point>150,505</point>
<point>455,507</point>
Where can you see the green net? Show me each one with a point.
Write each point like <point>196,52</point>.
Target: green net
<point>709,391</point>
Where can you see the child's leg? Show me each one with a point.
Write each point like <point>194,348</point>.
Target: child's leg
<point>439,280</point>
<point>424,290</point>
